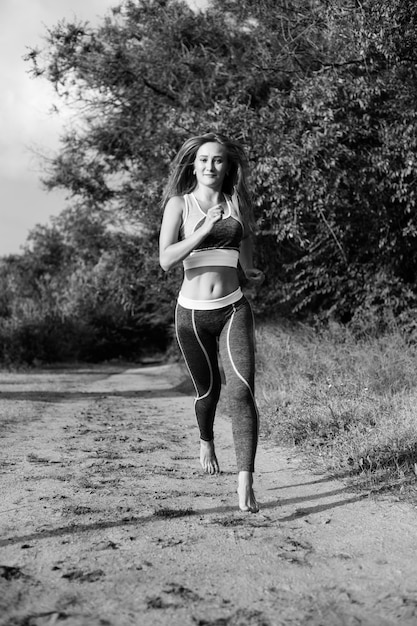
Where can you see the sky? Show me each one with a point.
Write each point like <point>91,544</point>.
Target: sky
<point>27,127</point>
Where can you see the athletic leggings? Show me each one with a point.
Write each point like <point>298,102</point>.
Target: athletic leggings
<point>228,330</point>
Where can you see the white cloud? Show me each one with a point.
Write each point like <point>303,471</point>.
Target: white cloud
<point>25,120</point>
<point>25,104</point>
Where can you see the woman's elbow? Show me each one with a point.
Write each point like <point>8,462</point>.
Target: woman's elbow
<point>164,263</point>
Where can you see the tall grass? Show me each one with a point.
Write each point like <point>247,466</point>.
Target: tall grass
<point>350,403</point>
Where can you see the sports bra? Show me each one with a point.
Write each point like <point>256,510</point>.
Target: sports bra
<point>221,246</point>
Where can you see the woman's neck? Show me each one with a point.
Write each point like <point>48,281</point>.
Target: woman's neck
<point>210,196</point>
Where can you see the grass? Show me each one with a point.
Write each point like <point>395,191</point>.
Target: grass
<point>349,403</point>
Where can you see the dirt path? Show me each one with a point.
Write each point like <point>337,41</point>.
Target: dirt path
<point>106,518</point>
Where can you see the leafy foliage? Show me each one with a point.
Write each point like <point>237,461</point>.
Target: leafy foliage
<point>81,291</point>
<point>322,94</point>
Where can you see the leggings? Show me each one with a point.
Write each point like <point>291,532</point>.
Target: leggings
<point>228,330</point>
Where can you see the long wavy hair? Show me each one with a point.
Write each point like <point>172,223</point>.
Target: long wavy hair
<point>182,179</point>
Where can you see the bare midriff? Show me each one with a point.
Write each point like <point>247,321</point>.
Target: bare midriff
<point>209,283</point>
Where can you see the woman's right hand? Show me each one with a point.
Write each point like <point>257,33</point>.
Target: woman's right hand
<point>214,214</point>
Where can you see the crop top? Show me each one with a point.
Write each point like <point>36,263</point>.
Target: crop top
<point>221,246</point>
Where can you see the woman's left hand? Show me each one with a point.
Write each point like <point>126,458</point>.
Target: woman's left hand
<point>255,277</point>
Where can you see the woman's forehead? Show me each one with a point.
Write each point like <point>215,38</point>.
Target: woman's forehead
<point>212,148</point>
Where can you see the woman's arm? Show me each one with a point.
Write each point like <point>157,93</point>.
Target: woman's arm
<point>255,277</point>
<point>246,253</point>
<point>171,250</point>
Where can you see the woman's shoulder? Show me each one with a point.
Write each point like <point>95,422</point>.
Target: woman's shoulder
<point>233,202</point>
<point>177,203</point>
<point>237,213</point>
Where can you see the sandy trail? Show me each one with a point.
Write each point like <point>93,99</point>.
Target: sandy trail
<point>107,519</point>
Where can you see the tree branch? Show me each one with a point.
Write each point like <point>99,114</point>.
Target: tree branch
<point>159,91</point>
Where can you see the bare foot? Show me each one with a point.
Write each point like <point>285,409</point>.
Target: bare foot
<point>208,457</point>
<point>247,500</point>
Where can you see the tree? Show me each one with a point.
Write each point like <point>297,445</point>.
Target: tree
<point>148,76</point>
<point>323,94</point>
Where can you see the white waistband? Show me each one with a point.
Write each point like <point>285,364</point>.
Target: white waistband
<point>208,305</point>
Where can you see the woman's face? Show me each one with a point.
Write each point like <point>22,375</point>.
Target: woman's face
<point>211,165</point>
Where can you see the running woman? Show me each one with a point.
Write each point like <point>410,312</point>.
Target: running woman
<point>207,227</point>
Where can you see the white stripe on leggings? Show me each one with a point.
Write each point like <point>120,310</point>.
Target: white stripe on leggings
<point>185,358</point>
<point>238,374</point>
<point>207,359</point>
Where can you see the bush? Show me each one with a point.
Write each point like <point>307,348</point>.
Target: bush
<point>32,341</point>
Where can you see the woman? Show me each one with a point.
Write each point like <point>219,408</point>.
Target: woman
<point>206,226</point>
